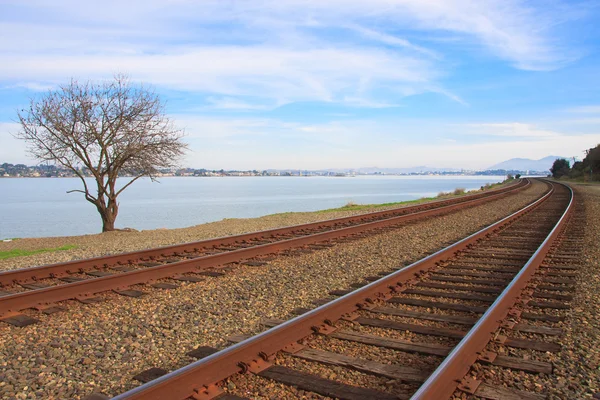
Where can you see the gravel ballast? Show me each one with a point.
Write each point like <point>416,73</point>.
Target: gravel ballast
<point>577,366</point>
<point>98,348</point>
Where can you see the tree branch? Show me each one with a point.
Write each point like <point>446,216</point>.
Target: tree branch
<point>129,183</point>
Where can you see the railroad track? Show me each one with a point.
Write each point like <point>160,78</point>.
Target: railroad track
<point>444,325</point>
<point>43,287</point>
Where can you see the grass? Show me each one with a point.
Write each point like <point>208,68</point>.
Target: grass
<point>585,183</point>
<point>357,207</point>
<point>21,253</point>
<point>351,206</point>
<point>580,180</point>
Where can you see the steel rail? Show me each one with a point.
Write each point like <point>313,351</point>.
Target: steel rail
<point>12,303</point>
<point>8,278</point>
<point>199,378</point>
<point>445,379</point>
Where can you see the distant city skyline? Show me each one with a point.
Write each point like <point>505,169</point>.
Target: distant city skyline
<point>515,165</point>
<point>326,84</point>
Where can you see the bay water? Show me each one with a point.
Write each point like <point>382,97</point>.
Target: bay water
<point>40,207</point>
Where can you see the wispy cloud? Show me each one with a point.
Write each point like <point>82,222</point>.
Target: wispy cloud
<point>281,75</point>
<point>232,103</point>
<point>284,51</point>
<point>593,122</point>
<point>232,61</point>
<point>392,40</point>
<point>390,143</point>
<point>590,109</point>
<point>509,129</point>
<point>512,30</point>
<point>219,128</point>
<point>248,143</point>
<point>366,103</point>
<point>448,94</point>
<point>33,86</point>
<point>12,150</point>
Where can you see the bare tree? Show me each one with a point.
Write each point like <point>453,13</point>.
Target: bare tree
<point>107,129</point>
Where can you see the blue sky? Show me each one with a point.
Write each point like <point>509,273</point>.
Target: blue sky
<point>326,84</point>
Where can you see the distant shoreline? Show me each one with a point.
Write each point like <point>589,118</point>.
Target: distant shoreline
<point>276,176</point>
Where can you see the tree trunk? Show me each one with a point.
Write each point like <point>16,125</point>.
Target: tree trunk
<point>110,215</point>
<point>108,223</point>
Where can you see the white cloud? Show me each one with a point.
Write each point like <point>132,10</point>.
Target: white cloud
<point>12,150</point>
<point>259,55</point>
<point>34,86</point>
<point>509,129</point>
<point>269,143</point>
<point>593,122</point>
<point>511,29</point>
<point>295,50</point>
<point>448,94</point>
<point>483,155</point>
<point>214,128</point>
<point>281,75</point>
<point>366,103</point>
<point>231,103</point>
<point>392,40</point>
<point>249,143</point>
<point>591,109</point>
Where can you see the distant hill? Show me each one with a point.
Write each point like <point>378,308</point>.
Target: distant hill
<point>526,164</point>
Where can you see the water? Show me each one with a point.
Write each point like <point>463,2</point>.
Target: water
<point>39,207</point>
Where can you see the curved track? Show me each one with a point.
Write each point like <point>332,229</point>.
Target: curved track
<point>447,308</point>
<point>42,287</point>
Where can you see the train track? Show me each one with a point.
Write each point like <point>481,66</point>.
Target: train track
<point>484,303</point>
<point>43,287</point>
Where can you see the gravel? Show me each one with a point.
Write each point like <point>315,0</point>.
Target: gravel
<point>98,348</point>
<point>122,241</point>
<point>577,366</point>
<point>258,388</point>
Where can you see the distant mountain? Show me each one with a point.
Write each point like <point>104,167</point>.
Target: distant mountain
<point>526,164</point>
